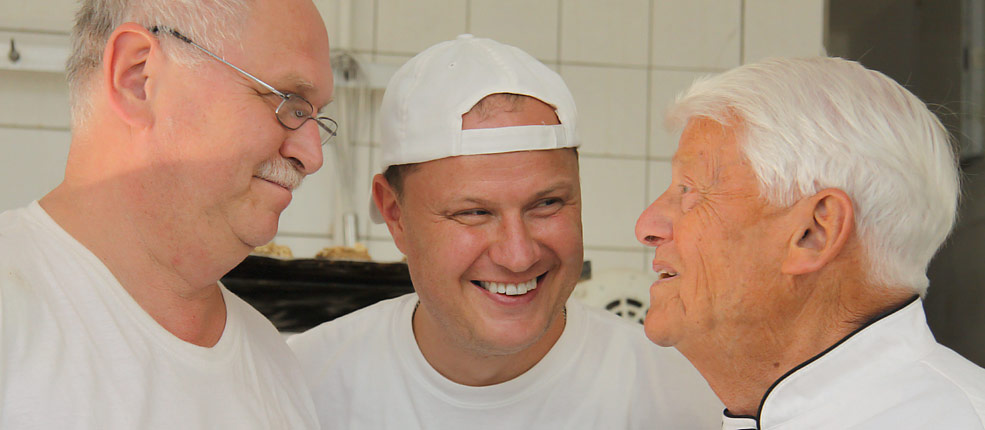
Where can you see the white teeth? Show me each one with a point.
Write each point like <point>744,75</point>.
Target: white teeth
<point>510,289</point>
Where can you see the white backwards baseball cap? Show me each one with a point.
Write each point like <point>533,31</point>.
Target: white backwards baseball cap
<point>421,113</point>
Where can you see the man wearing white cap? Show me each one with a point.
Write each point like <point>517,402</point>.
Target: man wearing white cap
<point>480,190</point>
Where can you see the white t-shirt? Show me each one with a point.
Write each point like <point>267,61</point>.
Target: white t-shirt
<point>891,374</point>
<point>77,352</point>
<point>367,372</point>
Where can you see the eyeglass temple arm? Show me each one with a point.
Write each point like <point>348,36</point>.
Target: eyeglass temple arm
<point>318,121</point>
<point>185,39</point>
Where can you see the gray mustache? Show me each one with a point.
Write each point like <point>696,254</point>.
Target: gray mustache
<point>281,172</point>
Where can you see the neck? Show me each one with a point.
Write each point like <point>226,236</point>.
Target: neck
<point>153,273</point>
<point>741,367</point>
<point>468,365</point>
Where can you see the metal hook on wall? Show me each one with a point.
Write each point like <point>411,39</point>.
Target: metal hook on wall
<point>13,55</point>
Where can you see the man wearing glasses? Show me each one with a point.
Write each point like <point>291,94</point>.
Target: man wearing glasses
<point>181,161</point>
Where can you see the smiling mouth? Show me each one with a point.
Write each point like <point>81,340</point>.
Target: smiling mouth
<point>508,288</point>
<point>666,274</point>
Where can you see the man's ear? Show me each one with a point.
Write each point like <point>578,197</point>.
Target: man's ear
<point>385,198</point>
<point>825,222</point>
<point>126,73</point>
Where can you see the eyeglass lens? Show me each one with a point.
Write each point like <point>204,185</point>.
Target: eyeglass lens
<point>294,110</point>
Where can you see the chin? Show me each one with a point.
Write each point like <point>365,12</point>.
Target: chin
<point>656,333</point>
<point>259,234</point>
<point>512,338</point>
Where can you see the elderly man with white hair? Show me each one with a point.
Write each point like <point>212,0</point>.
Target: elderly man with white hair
<point>807,199</point>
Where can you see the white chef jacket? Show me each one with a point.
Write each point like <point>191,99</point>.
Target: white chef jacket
<point>890,374</point>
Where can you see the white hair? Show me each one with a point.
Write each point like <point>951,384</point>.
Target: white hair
<point>209,23</point>
<point>814,123</point>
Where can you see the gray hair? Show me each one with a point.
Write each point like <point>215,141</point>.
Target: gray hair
<point>210,23</point>
<point>815,123</point>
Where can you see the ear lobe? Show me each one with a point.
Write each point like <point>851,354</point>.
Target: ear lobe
<point>828,221</point>
<point>385,198</point>
<point>126,74</point>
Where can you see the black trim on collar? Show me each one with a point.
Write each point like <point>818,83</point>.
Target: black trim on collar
<point>759,411</point>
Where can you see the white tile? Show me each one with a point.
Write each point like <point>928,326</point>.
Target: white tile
<point>604,259</point>
<point>651,253</point>
<point>612,197</point>
<point>696,33</point>
<point>528,25</point>
<point>612,108</point>
<point>664,87</point>
<point>394,59</point>
<point>32,162</point>
<point>361,195</point>
<point>659,178</point>
<point>312,210</point>
<point>363,24</point>
<point>783,28</point>
<point>318,206</point>
<point>374,118</point>
<point>610,32</point>
<point>384,251</point>
<point>331,14</point>
<point>34,99</point>
<point>412,26</point>
<point>353,109</point>
<point>49,15</point>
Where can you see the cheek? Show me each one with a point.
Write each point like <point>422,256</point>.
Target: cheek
<point>447,249</point>
<point>562,234</point>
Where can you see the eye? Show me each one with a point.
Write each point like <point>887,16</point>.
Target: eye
<point>299,114</point>
<point>471,216</point>
<point>472,212</point>
<point>548,206</point>
<point>684,188</point>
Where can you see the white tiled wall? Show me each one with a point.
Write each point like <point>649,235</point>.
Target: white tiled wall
<point>624,60</point>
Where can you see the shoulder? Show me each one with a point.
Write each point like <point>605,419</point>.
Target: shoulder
<point>951,375</point>
<point>255,326</point>
<point>15,231</point>
<point>353,332</point>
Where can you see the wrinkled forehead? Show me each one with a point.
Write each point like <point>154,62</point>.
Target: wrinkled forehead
<point>704,138</point>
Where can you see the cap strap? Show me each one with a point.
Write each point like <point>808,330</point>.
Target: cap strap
<point>509,139</point>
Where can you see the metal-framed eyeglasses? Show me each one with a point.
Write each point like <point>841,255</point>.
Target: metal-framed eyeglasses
<point>293,110</point>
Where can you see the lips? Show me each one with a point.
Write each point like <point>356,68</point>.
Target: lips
<point>281,183</point>
<point>664,272</point>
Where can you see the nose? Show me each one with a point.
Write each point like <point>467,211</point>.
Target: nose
<point>654,226</point>
<point>515,248</point>
<point>303,148</point>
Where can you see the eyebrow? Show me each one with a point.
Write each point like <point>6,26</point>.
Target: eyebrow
<point>304,88</point>
<point>563,185</point>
